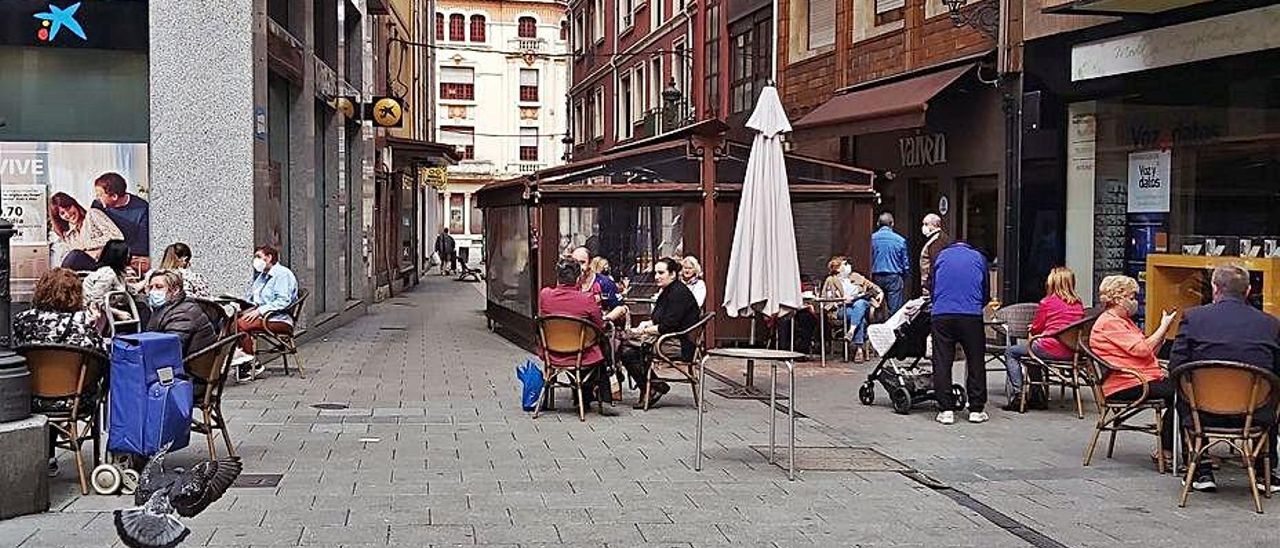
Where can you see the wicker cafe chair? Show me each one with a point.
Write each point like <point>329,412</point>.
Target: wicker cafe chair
<point>283,345</point>
<point>223,324</point>
<point>1114,414</point>
<point>208,369</point>
<point>1006,326</point>
<point>687,371</point>
<point>1228,389</point>
<point>71,376</point>
<point>1075,373</point>
<point>568,335</point>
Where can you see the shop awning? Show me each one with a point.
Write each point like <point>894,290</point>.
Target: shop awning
<point>1120,7</point>
<point>888,107</point>
<point>412,153</point>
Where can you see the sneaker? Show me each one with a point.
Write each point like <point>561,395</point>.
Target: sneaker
<point>1014,405</point>
<point>257,368</point>
<point>946,417</point>
<point>53,468</point>
<point>244,373</point>
<point>659,390</point>
<point>978,417</point>
<point>1270,489</point>
<point>1204,481</point>
<point>240,358</point>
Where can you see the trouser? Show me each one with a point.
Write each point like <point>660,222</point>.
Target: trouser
<point>967,331</point>
<point>1161,389</point>
<point>804,323</point>
<point>893,286</point>
<point>600,387</point>
<point>248,327</point>
<point>1218,421</point>
<point>79,260</point>
<point>635,358</point>
<point>855,317</point>
<point>1015,356</point>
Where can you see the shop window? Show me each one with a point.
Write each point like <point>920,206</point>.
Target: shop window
<point>477,218</point>
<point>528,85</point>
<point>527,27</point>
<point>457,27</point>
<point>632,237</point>
<point>458,83</point>
<point>528,144</point>
<point>477,28</point>
<point>888,11</point>
<point>440,26</point>
<point>457,212</point>
<point>461,138</point>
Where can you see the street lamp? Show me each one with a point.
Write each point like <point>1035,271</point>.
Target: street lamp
<point>15,393</point>
<point>984,16</point>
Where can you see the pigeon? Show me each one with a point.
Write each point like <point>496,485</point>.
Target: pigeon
<point>160,495</point>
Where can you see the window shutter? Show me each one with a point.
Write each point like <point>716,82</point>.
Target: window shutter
<point>528,77</point>
<point>528,136</point>
<point>822,23</point>
<point>457,75</point>
<point>889,5</point>
<point>457,136</point>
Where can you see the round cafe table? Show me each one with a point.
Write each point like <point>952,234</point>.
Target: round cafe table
<point>774,357</point>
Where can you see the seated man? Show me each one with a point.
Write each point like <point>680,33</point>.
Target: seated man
<point>675,310</point>
<point>567,299</point>
<point>273,288</point>
<point>1229,330</point>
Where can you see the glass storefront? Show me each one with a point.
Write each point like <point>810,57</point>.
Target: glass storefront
<point>630,236</point>
<point>509,261</point>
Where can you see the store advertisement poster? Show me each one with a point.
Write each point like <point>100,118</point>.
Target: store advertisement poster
<point>1149,180</point>
<point>62,199</point>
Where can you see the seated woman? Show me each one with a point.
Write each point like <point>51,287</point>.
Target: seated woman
<point>177,258</point>
<point>56,316</point>
<point>1059,308</point>
<point>173,312</point>
<point>610,295</point>
<point>1119,342</point>
<point>111,276</point>
<point>273,289</point>
<point>859,296</point>
<point>691,275</point>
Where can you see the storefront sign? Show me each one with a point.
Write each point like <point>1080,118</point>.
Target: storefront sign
<point>923,150</point>
<point>1149,181</point>
<point>1233,34</point>
<point>98,24</point>
<point>25,206</point>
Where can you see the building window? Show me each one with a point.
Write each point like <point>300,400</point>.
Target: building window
<point>528,144</point>
<point>458,83</point>
<point>477,28</point>
<point>625,10</point>
<point>439,26</point>
<point>527,27</point>
<point>597,114</point>
<point>641,94</point>
<point>457,27</point>
<point>457,207</point>
<point>822,23</point>
<point>625,105</point>
<point>462,138</point>
<point>577,32</point>
<point>528,85</point>
<point>888,11</point>
<point>711,80</point>
<point>579,121</point>
<point>749,61</point>
<point>597,19</point>
<point>564,30</point>
<point>679,69</point>
<point>656,12</point>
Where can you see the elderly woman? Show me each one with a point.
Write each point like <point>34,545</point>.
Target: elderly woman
<point>1119,342</point>
<point>173,312</point>
<point>859,295</point>
<point>56,316</point>
<point>691,275</point>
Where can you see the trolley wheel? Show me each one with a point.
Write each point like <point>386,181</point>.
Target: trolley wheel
<point>901,400</point>
<point>959,396</point>
<point>129,481</point>
<point>867,393</point>
<point>106,479</point>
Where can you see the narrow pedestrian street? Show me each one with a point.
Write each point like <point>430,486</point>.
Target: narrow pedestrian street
<point>426,445</point>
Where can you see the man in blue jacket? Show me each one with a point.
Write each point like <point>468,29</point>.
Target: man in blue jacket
<point>960,293</point>
<point>890,262</point>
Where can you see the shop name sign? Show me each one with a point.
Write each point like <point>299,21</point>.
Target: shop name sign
<point>1232,34</point>
<point>923,150</point>
<point>93,24</point>
<point>22,166</point>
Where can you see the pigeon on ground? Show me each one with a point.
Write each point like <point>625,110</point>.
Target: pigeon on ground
<point>160,494</point>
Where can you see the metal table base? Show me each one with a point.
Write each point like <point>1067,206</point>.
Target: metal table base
<point>774,357</point>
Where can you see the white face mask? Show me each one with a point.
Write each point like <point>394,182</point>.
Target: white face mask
<point>846,270</point>
<point>1131,306</point>
<point>259,264</point>
<point>927,230</point>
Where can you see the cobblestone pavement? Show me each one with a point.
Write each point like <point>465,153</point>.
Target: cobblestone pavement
<point>433,449</point>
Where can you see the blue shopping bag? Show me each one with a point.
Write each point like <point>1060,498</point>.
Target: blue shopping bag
<point>151,396</point>
<point>530,376</point>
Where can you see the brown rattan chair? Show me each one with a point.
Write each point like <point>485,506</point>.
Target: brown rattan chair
<point>1114,414</point>
<point>567,335</point>
<point>282,345</point>
<point>1004,328</point>
<point>223,324</point>
<point>208,369</point>
<point>1227,390</point>
<point>71,376</point>
<point>666,357</point>
<point>1074,374</point>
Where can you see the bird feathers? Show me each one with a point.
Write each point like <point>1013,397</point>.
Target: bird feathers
<point>151,525</point>
<point>161,495</point>
<point>204,484</point>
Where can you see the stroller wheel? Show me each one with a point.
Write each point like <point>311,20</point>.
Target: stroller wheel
<point>867,393</point>
<point>106,479</point>
<point>129,481</point>
<point>959,396</point>
<point>901,400</point>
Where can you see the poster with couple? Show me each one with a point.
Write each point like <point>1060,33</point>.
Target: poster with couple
<point>66,200</point>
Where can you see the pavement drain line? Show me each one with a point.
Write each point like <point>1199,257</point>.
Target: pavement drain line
<point>995,517</point>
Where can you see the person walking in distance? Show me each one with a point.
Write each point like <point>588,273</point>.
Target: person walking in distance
<point>445,248</point>
<point>959,295</point>
<point>890,262</point>
<point>935,240</point>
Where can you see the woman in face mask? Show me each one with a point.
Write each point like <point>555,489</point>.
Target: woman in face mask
<point>1118,341</point>
<point>172,312</point>
<point>859,296</point>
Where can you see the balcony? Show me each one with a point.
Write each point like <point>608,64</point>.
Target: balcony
<point>525,168</point>
<point>670,117</point>
<point>528,45</point>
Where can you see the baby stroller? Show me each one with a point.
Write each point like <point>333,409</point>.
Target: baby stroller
<point>901,343</point>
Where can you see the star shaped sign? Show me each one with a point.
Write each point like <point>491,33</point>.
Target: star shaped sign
<point>57,18</point>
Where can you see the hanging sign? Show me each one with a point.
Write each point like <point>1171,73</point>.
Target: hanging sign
<point>1149,180</point>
